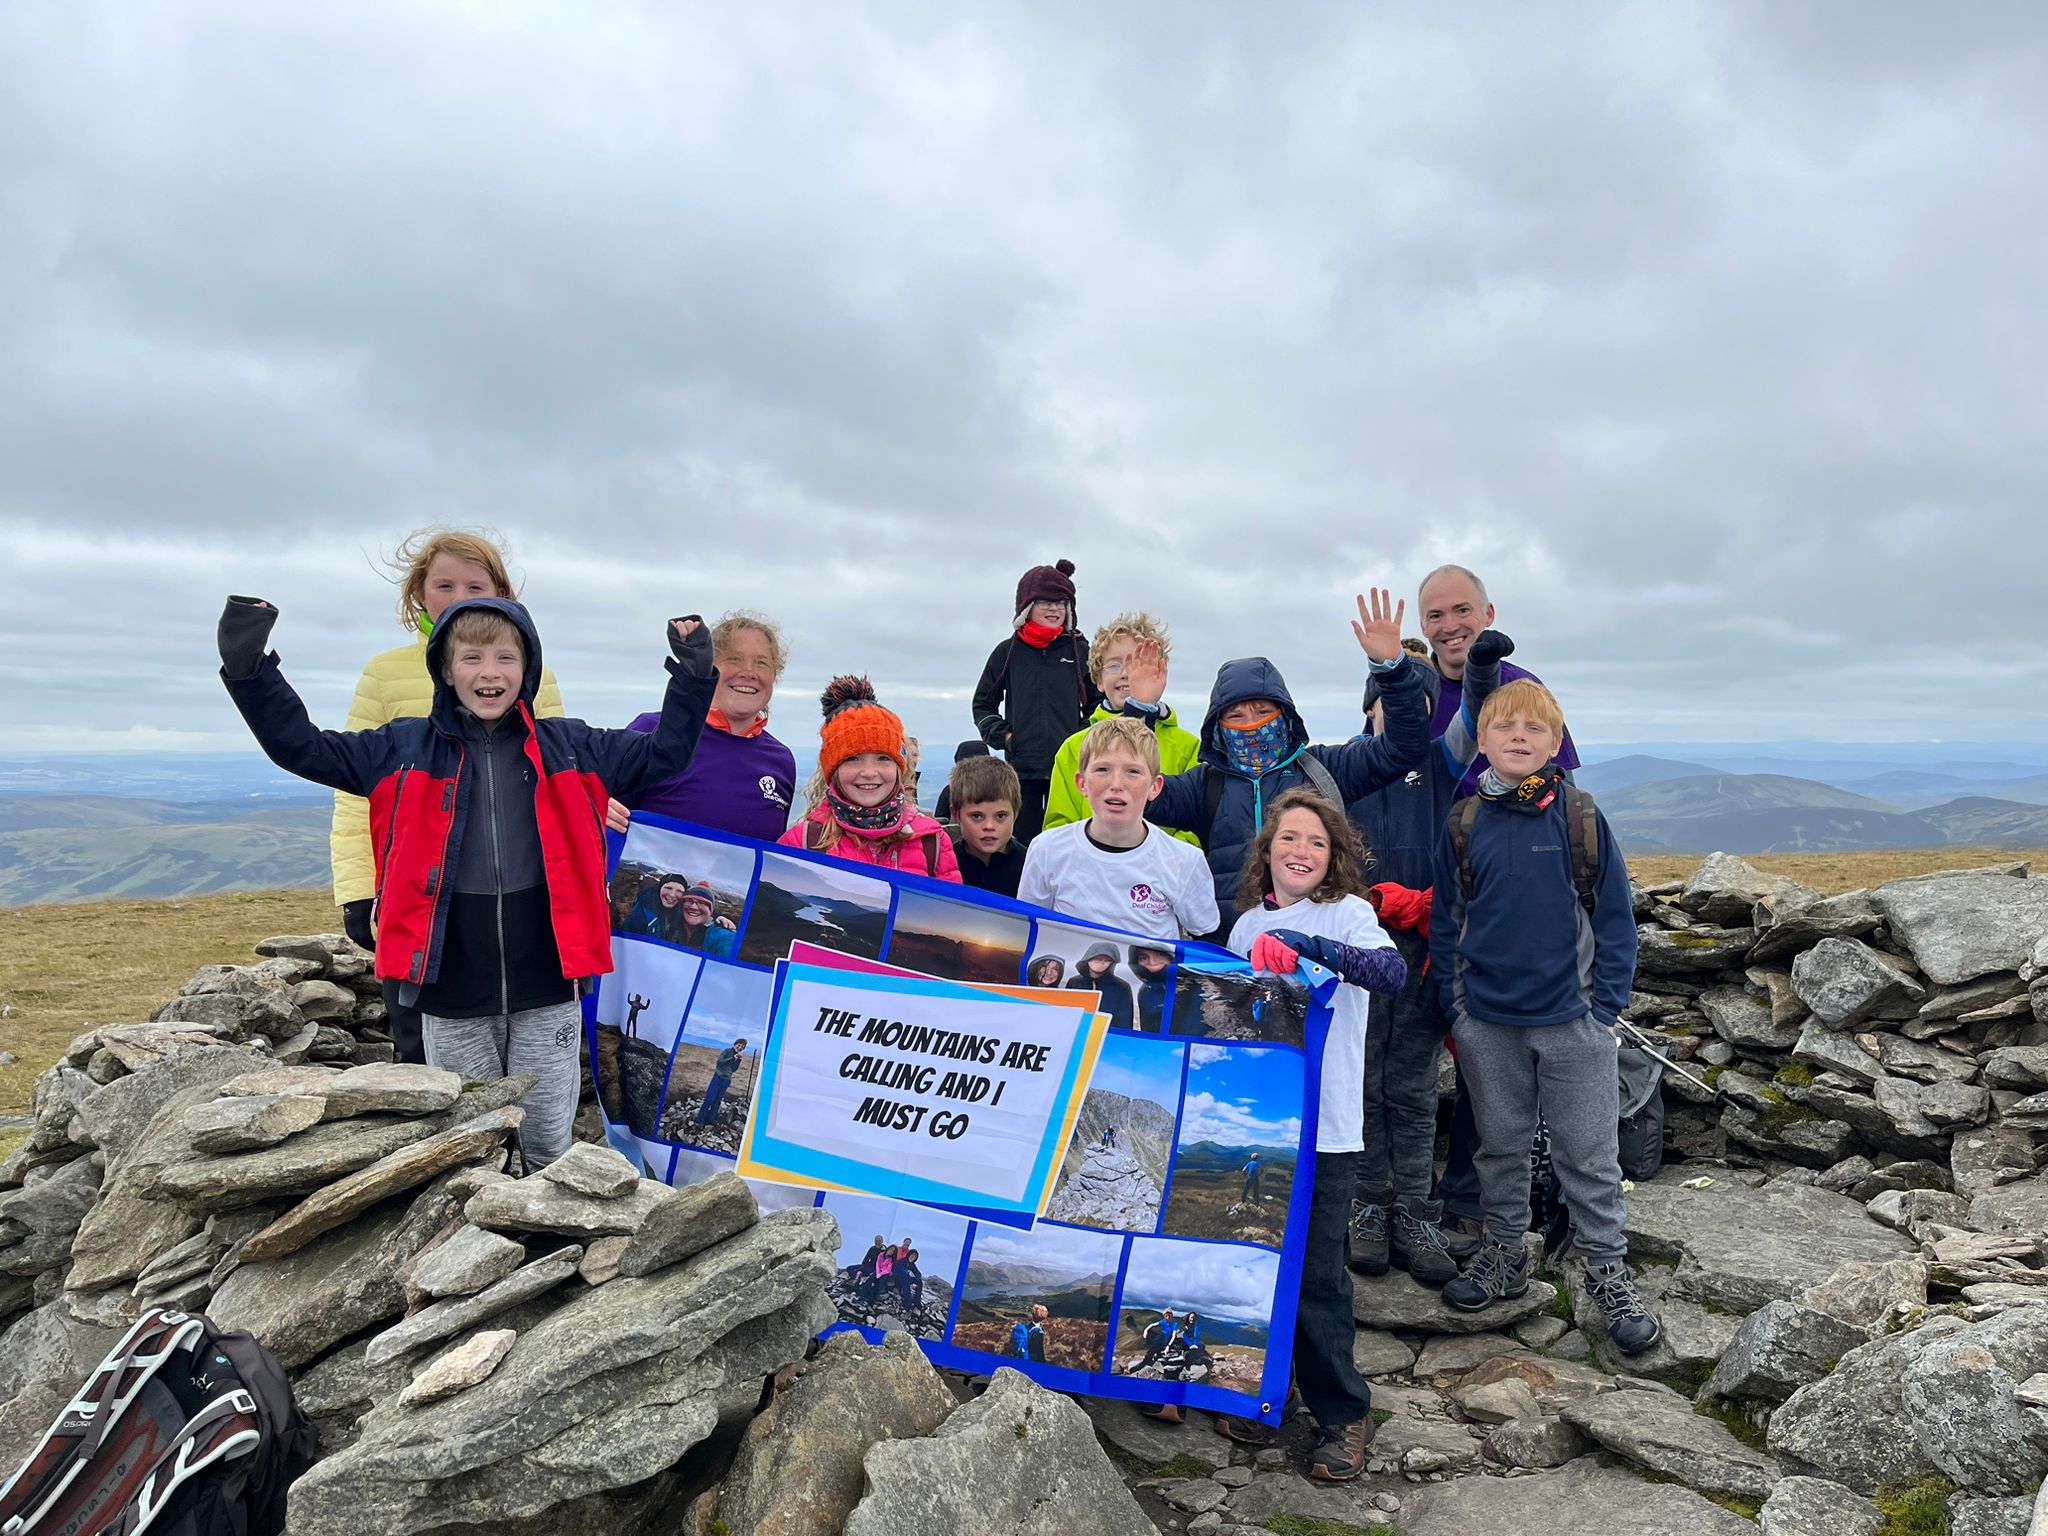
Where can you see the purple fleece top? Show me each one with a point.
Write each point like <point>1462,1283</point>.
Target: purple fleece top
<point>1448,702</point>
<point>739,784</point>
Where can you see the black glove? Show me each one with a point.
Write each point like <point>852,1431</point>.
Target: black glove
<point>1490,647</point>
<point>693,654</point>
<point>243,636</point>
<point>355,922</point>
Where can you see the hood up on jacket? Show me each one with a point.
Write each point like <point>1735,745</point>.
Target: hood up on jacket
<point>1252,677</point>
<point>446,705</point>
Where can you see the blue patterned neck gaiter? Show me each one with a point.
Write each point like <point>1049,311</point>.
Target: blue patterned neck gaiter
<point>1256,750</point>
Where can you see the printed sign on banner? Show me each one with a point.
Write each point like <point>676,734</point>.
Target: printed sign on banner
<point>1116,1213</point>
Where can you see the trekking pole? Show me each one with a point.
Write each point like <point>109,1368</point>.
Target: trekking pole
<point>1642,1042</point>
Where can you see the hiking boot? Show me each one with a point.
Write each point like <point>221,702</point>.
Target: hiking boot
<point>1165,1413</point>
<point>1462,1236</point>
<point>1241,1430</point>
<point>1629,1324</point>
<point>1369,1212</point>
<point>1339,1455</point>
<point>1497,1274</point>
<point>1418,1242</point>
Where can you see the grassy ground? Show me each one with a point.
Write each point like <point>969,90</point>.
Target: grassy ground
<point>1838,872</point>
<point>64,969</point>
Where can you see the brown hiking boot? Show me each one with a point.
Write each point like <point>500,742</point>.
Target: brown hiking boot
<point>1339,1455</point>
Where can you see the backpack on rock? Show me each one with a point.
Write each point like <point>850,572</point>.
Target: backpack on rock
<point>182,1430</point>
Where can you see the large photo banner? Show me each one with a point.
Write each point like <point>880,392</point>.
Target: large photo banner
<point>1050,1145</point>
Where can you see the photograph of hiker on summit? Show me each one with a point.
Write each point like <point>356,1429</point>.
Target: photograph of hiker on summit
<point>1239,1139</point>
<point>1114,1173</point>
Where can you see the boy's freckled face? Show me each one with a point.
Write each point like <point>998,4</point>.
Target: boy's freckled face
<point>1119,786</point>
<point>1518,746</point>
<point>986,826</point>
<point>486,677</point>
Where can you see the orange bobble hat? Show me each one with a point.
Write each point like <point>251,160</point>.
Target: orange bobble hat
<point>855,722</point>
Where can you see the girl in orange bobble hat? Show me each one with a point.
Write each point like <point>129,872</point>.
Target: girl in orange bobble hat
<point>861,806</point>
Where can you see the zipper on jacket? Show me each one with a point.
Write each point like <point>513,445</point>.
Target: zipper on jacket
<point>497,867</point>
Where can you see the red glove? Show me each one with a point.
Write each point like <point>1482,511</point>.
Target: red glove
<point>1269,954</point>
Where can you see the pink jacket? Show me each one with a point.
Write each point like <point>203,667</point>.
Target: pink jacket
<point>904,848</point>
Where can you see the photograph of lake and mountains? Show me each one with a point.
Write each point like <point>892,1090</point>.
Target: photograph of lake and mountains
<point>516,516</point>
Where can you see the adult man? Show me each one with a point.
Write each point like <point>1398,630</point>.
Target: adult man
<point>721,1079</point>
<point>1454,613</point>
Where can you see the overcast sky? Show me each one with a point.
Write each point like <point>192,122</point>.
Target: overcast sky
<point>1711,334</point>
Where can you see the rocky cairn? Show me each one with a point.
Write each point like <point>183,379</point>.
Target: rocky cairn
<point>1845,1247</point>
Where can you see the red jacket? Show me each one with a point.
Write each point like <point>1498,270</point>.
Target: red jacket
<point>416,775</point>
<point>1401,907</point>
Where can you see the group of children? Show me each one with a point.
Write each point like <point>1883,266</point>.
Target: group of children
<point>491,901</point>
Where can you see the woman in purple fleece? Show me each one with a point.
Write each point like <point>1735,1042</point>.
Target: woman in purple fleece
<point>741,778</point>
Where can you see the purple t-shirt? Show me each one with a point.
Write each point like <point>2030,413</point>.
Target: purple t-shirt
<point>1452,698</point>
<point>739,784</point>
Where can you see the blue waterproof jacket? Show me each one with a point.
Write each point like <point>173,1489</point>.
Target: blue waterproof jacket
<point>1358,767</point>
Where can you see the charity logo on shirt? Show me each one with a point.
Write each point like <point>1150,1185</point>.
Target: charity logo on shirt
<point>1145,899</point>
<point>770,791</point>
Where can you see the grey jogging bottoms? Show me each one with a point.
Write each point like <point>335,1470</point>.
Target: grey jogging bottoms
<point>1569,1075</point>
<point>544,1041</point>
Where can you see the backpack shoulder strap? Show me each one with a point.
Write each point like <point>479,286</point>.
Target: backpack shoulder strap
<point>1459,826</point>
<point>1212,797</point>
<point>814,836</point>
<point>1582,836</point>
<point>1319,777</point>
<point>930,843</point>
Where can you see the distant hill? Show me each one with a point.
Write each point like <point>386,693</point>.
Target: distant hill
<point>1621,772</point>
<point>1759,813</point>
<point>1983,822</point>
<point>271,849</point>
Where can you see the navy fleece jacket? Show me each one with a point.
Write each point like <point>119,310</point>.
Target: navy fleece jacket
<point>1522,950</point>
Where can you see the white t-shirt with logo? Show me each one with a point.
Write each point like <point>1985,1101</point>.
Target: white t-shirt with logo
<point>1160,888</point>
<point>1340,1122</point>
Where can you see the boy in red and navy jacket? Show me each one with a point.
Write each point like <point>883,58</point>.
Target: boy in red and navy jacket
<point>488,830</point>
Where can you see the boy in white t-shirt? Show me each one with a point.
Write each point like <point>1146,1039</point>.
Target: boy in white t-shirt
<point>1112,868</point>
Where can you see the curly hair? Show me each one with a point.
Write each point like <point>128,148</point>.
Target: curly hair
<point>1348,855</point>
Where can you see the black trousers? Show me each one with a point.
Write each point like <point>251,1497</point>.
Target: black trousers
<point>1031,819</point>
<point>1324,1326</point>
<point>404,1024</point>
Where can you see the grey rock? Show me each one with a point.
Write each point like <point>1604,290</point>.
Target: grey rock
<point>1452,1447</point>
<point>1534,1443</point>
<point>1449,1357</point>
<point>1274,1495</point>
<point>1017,1460</point>
<point>1845,1175</point>
<point>1694,1336</point>
<point>616,1384</point>
<point>331,953</point>
<point>460,1368</point>
<point>318,1001</point>
<point>1691,951</point>
<point>469,1261</point>
<point>300,1081</point>
<point>696,1216</point>
<point>2019,1208</point>
<point>1744,1020</point>
<point>334,1287</point>
<point>39,1220</point>
<point>1725,890</point>
<point>592,1170</point>
<point>397,1088</point>
<point>1497,1402</point>
<point>257,1120</point>
<point>1540,1332</point>
<point>1195,1496</point>
<point>1960,927</point>
<point>446,1318</point>
<point>1959,1395</point>
<point>1973,996</point>
<point>45,1356</point>
<point>601,1259</point>
<point>1813,1506</point>
<point>1150,1442</point>
<point>1739,1248</point>
<point>1715,1053</point>
<point>1778,1349</point>
<point>1911,1211</point>
<point>1574,1346</point>
<point>235,1016</point>
<point>1864,1293</point>
<point>339,1389</point>
<point>1110,1188</point>
<point>1378,1353</point>
<point>1786,928</point>
<point>1553,1382</point>
<point>800,1467</point>
<point>1828,1050</point>
<point>1581,1496</point>
<point>533,1205</point>
<point>1845,981</point>
<point>1801,1137</point>
<point>1395,1301</point>
<point>2021,1067</point>
<point>1923,1062</point>
<point>1989,1517</point>
<point>144,1047</point>
<point>1847,1426</point>
<point>118,1115</point>
<point>1665,1435</point>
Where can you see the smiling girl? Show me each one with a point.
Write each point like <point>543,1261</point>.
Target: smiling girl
<point>861,806</point>
<point>1304,899</point>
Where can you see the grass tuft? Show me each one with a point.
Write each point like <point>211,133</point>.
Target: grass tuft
<point>1915,1509</point>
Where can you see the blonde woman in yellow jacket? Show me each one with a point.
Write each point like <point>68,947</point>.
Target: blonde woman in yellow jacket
<point>439,566</point>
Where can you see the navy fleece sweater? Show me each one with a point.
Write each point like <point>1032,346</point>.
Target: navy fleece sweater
<point>1522,950</point>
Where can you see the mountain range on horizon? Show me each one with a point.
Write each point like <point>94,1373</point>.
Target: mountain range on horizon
<point>90,826</point>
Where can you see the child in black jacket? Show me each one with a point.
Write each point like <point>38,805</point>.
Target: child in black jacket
<point>1035,690</point>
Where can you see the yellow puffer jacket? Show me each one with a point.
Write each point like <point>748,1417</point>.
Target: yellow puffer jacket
<point>394,686</point>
